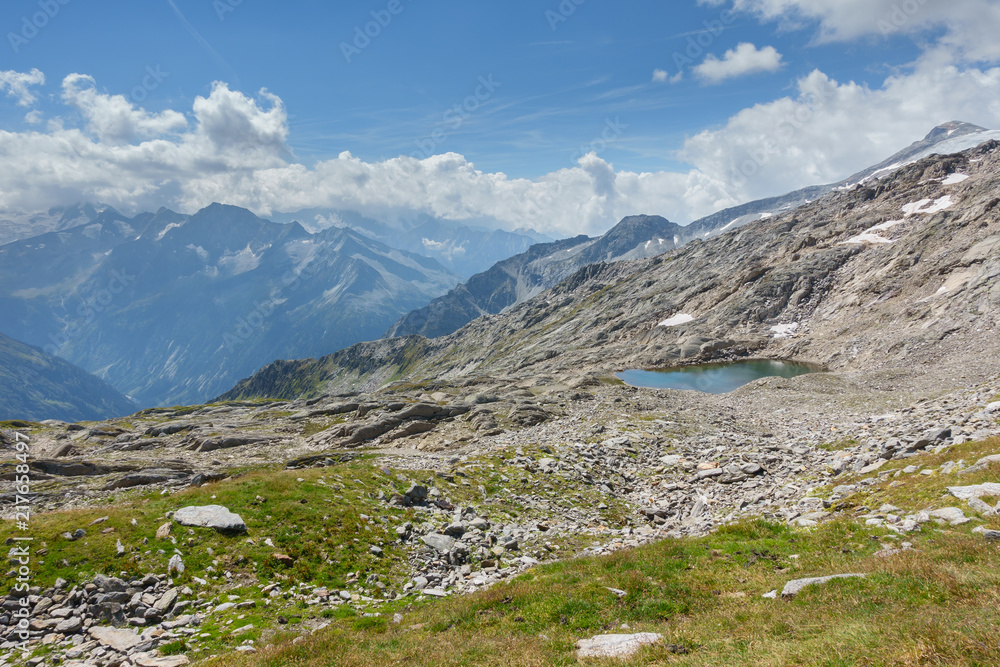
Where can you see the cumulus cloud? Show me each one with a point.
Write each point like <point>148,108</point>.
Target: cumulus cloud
<point>19,84</point>
<point>113,118</point>
<point>968,28</point>
<point>231,147</point>
<point>743,60</point>
<point>828,130</point>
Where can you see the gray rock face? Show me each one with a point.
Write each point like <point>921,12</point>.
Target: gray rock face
<point>792,588</point>
<point>615,646</point>
<point>975,491</point>
<point>210,516</point>
<point>115,638</point>
<point>541,266</point>
<point>442,543</point>
<point>950,515</point>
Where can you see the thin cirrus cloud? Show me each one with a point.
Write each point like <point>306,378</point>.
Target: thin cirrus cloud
<point>744,60</point>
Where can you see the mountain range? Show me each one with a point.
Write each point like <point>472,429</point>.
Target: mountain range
<point>463,247</point>
<point>171,308</point>
<point>866,277</point>
<point>523,276</point>
<point>542,266</point>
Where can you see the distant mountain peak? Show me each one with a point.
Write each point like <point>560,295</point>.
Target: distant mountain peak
<point>953,128</point>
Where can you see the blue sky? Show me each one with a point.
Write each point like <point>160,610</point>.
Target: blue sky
<point>555,81</point>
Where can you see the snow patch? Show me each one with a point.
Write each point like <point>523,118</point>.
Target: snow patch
<point>172,225</point>
<point>240,262</point>
<point>871,235</point>
<point>926,207</point>
<point>785,330</point>
<point>676,320</point>
<point>92,231</point>
<point>954,179</point>
<point>866,238</point>
<point>198,250</point>
<point>881,227</point>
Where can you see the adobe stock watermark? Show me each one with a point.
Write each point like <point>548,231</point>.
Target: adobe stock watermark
<point>364,34</point>
<point>613,130</point>
<point>150,82</point>
<point>223,7</point>
<point>561,14</point>
<point>254,320</point>
<point>32,24</point>
<point>900,15</point>
<point>90,308</point>
<point>456,116</point>
<point>20,555</point>
<point>699,43</point>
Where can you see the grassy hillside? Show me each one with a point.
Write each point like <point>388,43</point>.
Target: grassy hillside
<point>937,603</point>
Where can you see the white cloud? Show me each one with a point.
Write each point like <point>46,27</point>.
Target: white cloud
<point>662,76</point>
<point>113,118</point>
<point>743,60</point>
<point>828,130</point>
<point>19,84</point>
<point>969,27</point>
<point>232,148</point>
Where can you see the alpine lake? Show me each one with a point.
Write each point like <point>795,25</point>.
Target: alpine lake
<point>719,378</point>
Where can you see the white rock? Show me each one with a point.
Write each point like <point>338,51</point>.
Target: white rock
<point>793,587</point>
<point>615,646</point>
<point>951,515</point>
<point>975,491</point>
<point>119,640</point>
<point>210,516</point>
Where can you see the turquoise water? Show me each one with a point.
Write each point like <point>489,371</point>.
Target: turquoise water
<point>714,378</point>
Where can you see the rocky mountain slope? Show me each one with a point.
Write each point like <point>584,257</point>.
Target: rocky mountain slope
<point>951,137</point>
<point>37,386</point>
<point>172,308</point>
<point>873,277</point>
<point>518,278</point>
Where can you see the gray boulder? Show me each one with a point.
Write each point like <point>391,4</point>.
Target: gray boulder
<point>792,588</point>
<point>210,516</point>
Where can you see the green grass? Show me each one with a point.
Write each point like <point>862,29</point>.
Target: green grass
<point>16,424</point>
<point>934,606</point>
<point>839,445</point>
<point>938,604</point>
